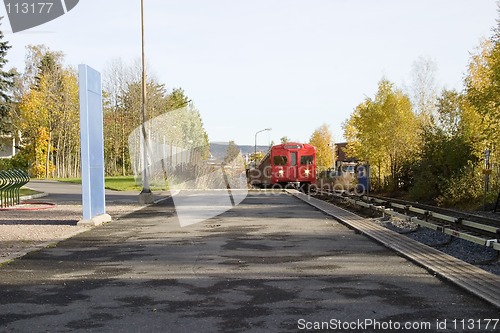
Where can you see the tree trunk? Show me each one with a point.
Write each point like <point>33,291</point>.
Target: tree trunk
<point>47,161</point>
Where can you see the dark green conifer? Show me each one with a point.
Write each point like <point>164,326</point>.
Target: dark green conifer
<point>6,85</point>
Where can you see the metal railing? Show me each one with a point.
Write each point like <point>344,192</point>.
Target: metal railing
<point>10,183</point>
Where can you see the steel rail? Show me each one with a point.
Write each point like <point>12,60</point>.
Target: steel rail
<point>458,227</point>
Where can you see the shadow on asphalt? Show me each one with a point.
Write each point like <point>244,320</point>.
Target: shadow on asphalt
<point>40,222</point>
<point>232,273</point>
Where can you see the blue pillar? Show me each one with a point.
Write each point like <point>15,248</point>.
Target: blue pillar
<point>92,147</point>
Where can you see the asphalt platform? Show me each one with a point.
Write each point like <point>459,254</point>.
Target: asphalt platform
<point>271,264</point>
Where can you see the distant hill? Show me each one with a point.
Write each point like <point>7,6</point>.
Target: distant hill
<point>218,149</point>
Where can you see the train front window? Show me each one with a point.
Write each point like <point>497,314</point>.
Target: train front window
<point>294,158</point>
<point>305,160</point>
<point>279,160</point>
<point>349,169</point>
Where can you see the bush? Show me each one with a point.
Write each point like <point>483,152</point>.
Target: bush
<point>5,164</point>
<point>16,162</point>
<point>426,188</point>
<point>465,191</point>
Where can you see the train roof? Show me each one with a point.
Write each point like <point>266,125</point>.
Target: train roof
<point>292,145</point>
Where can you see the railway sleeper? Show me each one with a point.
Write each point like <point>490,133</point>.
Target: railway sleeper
<point>449,229</point>
<point>386,209</point>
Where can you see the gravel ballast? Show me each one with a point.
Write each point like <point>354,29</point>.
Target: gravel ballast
<point>481,256</point>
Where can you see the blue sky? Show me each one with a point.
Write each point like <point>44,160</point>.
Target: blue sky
<point>291,65</point>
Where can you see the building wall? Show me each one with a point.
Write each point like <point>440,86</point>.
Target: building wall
<point>7,147</point>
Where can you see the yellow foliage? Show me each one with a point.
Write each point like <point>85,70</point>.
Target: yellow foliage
<point>322,140</point>
<point>482,111</point>
<point>383,131</point>
<point>48,115</point>
<point>38,168</point>
<point>480,72</point>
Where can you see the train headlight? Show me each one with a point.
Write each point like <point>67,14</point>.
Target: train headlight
<point>280,173</point>
<point>306,172</point>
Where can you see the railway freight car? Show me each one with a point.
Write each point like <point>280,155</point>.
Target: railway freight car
<point>286,165</point>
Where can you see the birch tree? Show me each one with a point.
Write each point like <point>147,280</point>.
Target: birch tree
<point>48,114</point>
<point>383,132</point>
<point>322,140</point>
<point>424,89</point>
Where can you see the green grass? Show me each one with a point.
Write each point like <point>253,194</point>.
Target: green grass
<point>70,180</point>
<point>26,191</point>
<point>6,263</point>
<point>117,183</point>
<point>123,183</point>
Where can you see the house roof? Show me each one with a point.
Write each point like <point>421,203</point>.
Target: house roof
<point>341,155</point>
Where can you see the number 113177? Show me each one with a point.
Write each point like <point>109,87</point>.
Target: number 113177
<point>29,8</point>
<point>474,324</point>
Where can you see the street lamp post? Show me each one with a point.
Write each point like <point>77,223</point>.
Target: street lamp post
<point>255,152</point>
<point>145,197</point>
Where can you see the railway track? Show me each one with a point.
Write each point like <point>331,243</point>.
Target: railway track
<point>473,277</point>
<point>446,211</point>
<point>474,228</point>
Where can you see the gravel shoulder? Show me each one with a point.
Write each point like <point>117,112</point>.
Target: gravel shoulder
<point>24,231</point>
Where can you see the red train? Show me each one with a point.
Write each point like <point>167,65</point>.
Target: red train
<point>285,165</point>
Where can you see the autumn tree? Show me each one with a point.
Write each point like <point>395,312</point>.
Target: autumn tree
<point>116,120</point>
<point>171,120</point>
<point>256,156</point>
<point>445,169</point>
<point>423,89</point>
<point>188,121</point>
<point>482,97</point>
<point>47,110</point>
<point>66,138</point>
<point>232,152</point>
<point>177,99</point>
<point>452,156</point>
<point>284,139</point>
<point>384,132</point>
<point>322,140</point>
<point>122,99</point>
<point>482,81</point>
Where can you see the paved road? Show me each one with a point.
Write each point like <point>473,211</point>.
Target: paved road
<point>62,192</point>
<point>271,264</point>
